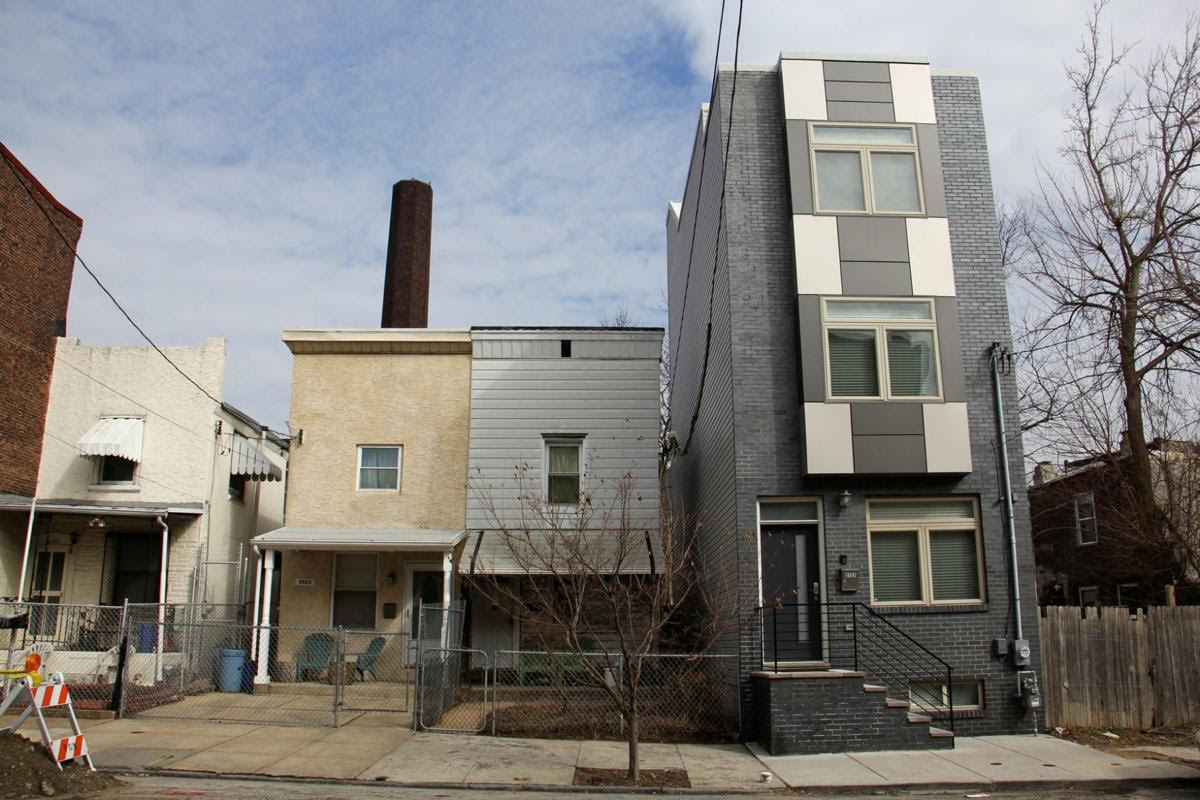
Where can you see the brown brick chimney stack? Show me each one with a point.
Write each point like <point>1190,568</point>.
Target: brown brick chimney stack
<point>406,284</point>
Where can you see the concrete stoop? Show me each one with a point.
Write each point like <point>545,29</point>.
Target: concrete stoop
<point>837,711</point>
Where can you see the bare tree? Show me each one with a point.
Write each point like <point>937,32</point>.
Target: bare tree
<point>600,588</point>
<point>621,318</point>
<point>1108,249</point>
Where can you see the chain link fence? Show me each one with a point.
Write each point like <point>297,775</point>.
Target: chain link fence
<point>449,697</point>
<point>555,695</point>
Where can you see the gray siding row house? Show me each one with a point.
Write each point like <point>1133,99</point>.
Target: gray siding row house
<point>836,429</point>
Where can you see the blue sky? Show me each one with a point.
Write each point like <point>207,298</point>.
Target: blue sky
<point>233,161</point>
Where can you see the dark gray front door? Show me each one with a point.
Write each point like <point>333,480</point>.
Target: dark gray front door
<point>791,592</point>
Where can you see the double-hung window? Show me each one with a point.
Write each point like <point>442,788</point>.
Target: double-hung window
<point>1085,519</point>
<point>865,169</point>
<point>563,459</point>
<point>881,349</point>
<point>379,467</point>
<point>924,551</point>
<point>355,584</point>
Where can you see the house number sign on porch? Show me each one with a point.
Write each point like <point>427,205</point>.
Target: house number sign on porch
<point>304,581</point>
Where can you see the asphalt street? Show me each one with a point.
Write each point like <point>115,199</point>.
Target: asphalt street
<point>155,787</point>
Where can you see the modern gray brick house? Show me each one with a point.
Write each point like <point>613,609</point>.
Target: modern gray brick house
<point>835,291</point>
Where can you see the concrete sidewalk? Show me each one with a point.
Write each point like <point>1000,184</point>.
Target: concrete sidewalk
<point>375,748</point>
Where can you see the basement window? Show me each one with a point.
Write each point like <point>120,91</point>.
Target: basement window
<point>932,696</point>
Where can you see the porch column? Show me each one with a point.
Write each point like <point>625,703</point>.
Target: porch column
<point>447,575</point>
<point>162,599</point>
<point>257,559</point>
<point>264,630</point>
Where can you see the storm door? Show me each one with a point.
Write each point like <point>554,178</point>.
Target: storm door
<point>791,593</point>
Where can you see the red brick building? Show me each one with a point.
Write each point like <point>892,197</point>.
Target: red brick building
<point>36,265</point>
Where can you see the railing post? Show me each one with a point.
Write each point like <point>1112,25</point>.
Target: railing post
<point>775,637</point>
<point>854,632</point>
<point>950,694</point>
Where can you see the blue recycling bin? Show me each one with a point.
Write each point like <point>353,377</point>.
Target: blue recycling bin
<point>248,670</point>
<point>147,636</point>
<point>229,670</point>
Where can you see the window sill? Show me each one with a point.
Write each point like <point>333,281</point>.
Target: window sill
<point>377,491</point>
<point>114,487</point>
<point>947,608</point>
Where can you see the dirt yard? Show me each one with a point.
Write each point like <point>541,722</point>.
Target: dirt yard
<point>26,770</point>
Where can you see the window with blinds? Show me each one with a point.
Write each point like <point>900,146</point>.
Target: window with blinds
<point>924,551</point>
<point>869,339</point>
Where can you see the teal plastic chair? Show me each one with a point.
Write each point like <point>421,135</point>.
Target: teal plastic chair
<point>364,662</point>
<point>316,655</point>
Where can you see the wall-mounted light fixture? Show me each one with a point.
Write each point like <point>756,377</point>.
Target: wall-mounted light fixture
<point>97,522</point>
<point>390,578</point>
<point>844,499</point>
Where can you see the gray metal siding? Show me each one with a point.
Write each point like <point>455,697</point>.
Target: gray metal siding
<point>799,168</point>
<point>876,278</point>
<point>860,112</point>
<point>872,239</point>
<point>880,455</point>
<point>933,186</point>
<point>874,71</point>
<point>517,402</point>
<point>858,91</point>
<point>872,419</point>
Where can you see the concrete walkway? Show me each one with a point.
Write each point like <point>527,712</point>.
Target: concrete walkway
<point>373,747</point>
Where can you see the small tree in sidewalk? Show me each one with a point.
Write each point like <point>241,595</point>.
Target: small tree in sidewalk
<point>600,588</point>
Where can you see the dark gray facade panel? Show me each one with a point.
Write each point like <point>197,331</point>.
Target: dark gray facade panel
<point>841,111</point>
<point>858,91</point>
<point>799,170</point>
<point>954,382</point>
<point>877,277</point>
<point>882,455</point>
<point>872,239</point>
<point>812,348</point>
<point>881,419</point>
<point>873,71</point>
<point>932,183</point>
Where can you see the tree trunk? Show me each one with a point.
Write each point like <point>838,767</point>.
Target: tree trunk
<point>1135,430</point>
<point>632,728</point>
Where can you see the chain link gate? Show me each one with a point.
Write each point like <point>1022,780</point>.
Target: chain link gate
<point>449,698</point>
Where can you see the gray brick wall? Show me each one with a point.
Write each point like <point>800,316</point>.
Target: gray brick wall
<point>753,374</point>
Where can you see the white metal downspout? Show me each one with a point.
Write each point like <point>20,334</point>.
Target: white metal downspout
<point>447,575</point>
<point>1006,485</point>
<point>264,631</point>
<point>257,559</point>
<point>162,598</point>
<point>28,543</point>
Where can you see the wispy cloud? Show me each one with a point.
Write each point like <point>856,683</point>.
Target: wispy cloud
<point>233,161</point>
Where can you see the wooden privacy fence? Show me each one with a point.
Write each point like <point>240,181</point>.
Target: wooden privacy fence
<point>1114,667</point>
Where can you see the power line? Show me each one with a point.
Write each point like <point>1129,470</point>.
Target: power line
<point>712,287</point>
<point>103,288</point>
<point>687,281</point>
<point>141,476</point>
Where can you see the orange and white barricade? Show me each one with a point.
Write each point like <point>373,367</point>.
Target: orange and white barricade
<point>51,694</point>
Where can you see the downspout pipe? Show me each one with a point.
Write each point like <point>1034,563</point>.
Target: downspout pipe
<point>997,354</point>
<point>28,544</point>
<point>162,596</point>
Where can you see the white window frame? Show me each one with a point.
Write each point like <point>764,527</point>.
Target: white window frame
<point>99,484</point>
<point>1092,588</point>
<point>923,529</point>
<point>1089,497</point>
<point>333,587</point>
<point>880,328</point>
<point>864,159</point>
<point>945,704</point>
<point>358,468</point>
<point>561,441</point>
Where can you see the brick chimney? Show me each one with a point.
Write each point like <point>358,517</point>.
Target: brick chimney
<point>406,284</point>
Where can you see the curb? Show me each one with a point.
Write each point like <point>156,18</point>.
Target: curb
<point>1090,784</point>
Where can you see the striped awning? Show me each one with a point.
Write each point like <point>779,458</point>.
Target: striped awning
<point>248,460</point>
<point>114,436</point>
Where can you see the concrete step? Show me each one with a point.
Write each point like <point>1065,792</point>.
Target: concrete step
<point>919,719</point>
<point>940,733</point>
<point>869,688</point>
<point>895,702</point>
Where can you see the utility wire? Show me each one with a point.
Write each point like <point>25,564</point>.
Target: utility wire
<point>737,41</point>
<point>712,101</point>
<point>66,363</point>
<point>103,288</point>
<point>141,476</point>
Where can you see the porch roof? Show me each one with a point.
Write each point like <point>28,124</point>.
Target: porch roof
<point>364,539</point>
<point>127,509</point>
<point>495,552</point>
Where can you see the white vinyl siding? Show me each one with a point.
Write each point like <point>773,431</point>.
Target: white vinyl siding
<point>924,551</point>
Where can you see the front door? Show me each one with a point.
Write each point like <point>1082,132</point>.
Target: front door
<point>138,568</point>
<point>791,593</point>
<point>48,569</point>
<point>426,590</point>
